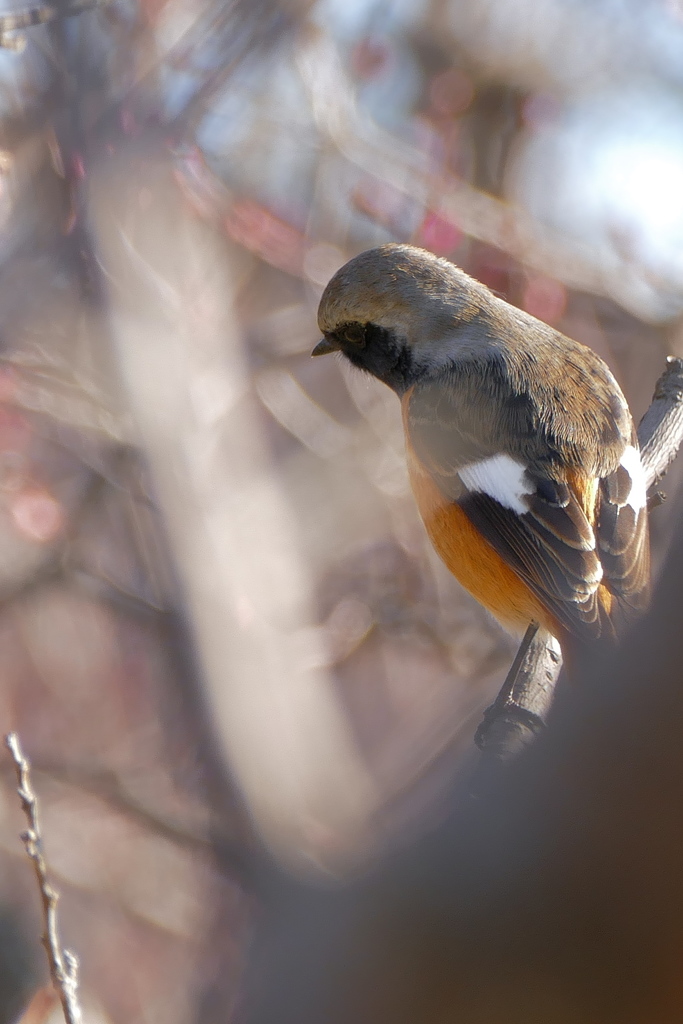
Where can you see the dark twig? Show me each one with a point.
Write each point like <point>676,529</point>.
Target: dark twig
<point>520,710</point>
<point>63,963</point>
<point>661,428</point>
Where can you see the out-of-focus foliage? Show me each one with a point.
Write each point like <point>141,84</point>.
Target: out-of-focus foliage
<point>222,624</point>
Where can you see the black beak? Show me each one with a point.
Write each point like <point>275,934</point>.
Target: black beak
<point>325,346</point>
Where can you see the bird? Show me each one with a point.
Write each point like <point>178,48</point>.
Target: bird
<point>522,453</point>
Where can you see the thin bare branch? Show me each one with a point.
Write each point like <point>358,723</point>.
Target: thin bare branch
<point>63,963</point>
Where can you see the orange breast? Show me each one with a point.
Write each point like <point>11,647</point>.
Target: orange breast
<point>471,559</point>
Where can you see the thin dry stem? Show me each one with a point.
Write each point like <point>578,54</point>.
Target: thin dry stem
<point>63,964</point>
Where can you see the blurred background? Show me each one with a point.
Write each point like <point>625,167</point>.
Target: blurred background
<point>223,634</point>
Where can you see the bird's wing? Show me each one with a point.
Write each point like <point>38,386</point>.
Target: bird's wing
<point>562,502</point>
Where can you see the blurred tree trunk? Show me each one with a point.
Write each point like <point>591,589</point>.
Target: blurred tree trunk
<point>556,897</point>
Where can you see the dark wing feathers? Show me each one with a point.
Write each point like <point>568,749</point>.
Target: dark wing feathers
<point>616,527</point>
<point>562,587</point>
<point>623,543</point>
<point>616,486</point>
<point>567,522</point>
<point>553,547</point>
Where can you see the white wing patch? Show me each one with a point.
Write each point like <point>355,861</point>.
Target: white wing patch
<point>502,478</point>
<point>637,497</point>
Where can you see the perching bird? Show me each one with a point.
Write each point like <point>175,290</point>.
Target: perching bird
<point>522,453</point>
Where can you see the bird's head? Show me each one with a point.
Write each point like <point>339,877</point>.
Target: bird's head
<point>391,309</point>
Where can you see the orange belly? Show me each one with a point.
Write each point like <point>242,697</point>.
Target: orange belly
<point>472,560</point>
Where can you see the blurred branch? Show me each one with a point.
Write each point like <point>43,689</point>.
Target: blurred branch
<point>388,159</point>
<point>63,963</point>
<point>521,708</point>
<point>41,15</point>
<point>557,896</point>
<point>391,165</point>
<point>231,529</point>
<point>40,1008</point>
<point>235,860</point>
<point>246,29</point>
<point>43,383</point>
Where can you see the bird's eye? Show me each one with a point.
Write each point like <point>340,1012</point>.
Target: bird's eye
<point>354,334</point>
